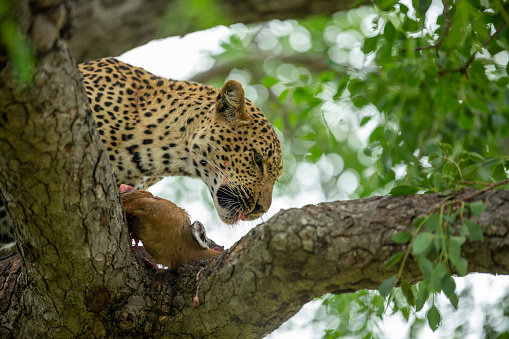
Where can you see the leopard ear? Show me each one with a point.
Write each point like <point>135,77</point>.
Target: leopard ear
<point>230,102</point>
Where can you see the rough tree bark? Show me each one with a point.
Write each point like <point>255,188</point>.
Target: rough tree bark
<point>110,28</point>
<point>58,187</point>
<point>266,277</point>
<point>76,274</point>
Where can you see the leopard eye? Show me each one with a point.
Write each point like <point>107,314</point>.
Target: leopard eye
<point>258,159</point>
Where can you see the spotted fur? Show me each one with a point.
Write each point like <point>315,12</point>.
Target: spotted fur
<point>154,127</point>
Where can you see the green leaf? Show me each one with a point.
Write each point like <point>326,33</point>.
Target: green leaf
<point>454,249</point>
<point>448,284</point>
<point>437,244</point>
<point>479,24</point>
<point>436,278</point>
<point>421,6</point>
<point>19,49</point>
<point>476,208</point>
<point>433,222</point>
<point>474,231</point>
<point>360,101</point>
<point>434,318</point>
<point>300,94</point>
<point>283,95</point>
<point>310,137</point>
<point>449,289</point>
<point>389,31</point>
<point>475,155</point>
<point>436,162</point>
<point>341,87</point>
<point>269,82</point>
<point>410,25</point>
<point>445,147</point>
<point>462,266</point>
<point>453,298</point>
<point>407,292</point>
<point>386,287</point>
<point>441,96</point>
<point>478,104</point>
<point>466,118</point>
<point>491,161</point>
<point>315,152</point>
<point>417,222</point>
<point>327,76</point>
<point>402,238</point>
<point>483,174</point>
<point>405,312</point>
<point>470,172</point>
<point>404,190</point>
<point>422,243</point>
<point>421,298</point>
<point>502,82</point>
<point>364,121</point>
<point>393,260</point>
<point>356,86</point>
<point>499,172</point>
<point>426,267</point>
<point>386,5</point>
<point>370,45</point>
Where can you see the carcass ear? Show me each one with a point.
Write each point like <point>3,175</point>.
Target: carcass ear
<point>230,102</point>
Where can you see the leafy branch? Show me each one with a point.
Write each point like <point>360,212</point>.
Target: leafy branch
<point>463,69</point>
<point>435,249</point>
<point>447,27</point>
<point>437,239</point>
<point>472,195</point>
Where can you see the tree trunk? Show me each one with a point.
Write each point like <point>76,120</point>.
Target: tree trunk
<point>110,28</point>
<point>59,189</point>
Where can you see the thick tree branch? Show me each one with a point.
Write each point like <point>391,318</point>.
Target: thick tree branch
<point>335,247</point>
<point>253,58</point>
<point>110,28</point>
<point>299,254</point>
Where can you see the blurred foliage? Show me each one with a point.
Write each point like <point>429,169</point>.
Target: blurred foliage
<point>383,89</point>
<point>399,98</point>
<point>16,45</point>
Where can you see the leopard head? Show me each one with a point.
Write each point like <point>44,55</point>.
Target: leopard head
<point>239,156</point>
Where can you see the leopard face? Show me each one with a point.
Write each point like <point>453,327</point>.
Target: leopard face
<point>154,127</point>
<point>240,156</point>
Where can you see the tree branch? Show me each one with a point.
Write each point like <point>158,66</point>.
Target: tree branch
<point>334,247</point>
<point>297,255</point>
<point>438,43</point>
<point>253,58</point>
<point>110,28</point>
<point>463,69</point>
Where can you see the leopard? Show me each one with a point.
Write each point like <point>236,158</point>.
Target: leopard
<point>154,127</point>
